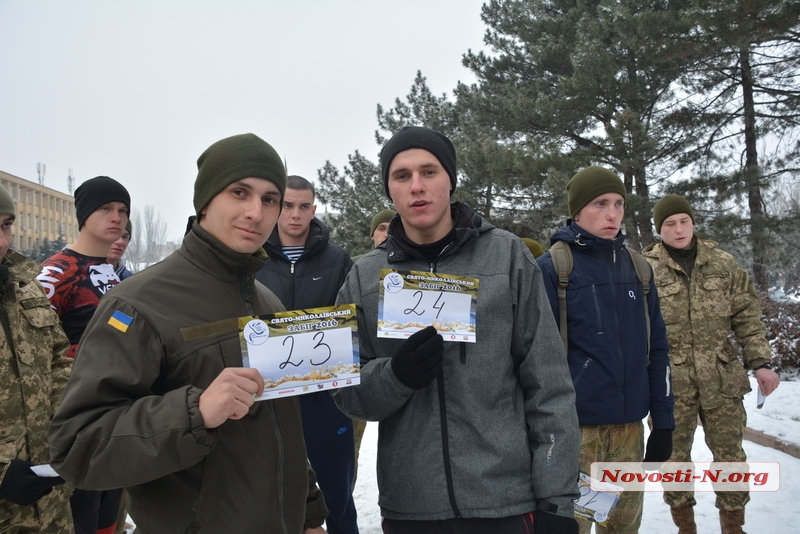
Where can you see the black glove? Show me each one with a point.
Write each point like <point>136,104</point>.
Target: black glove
<point>419,359</point>
<point>659,446</point>
<point>23,486</point>
<point>547,523</point>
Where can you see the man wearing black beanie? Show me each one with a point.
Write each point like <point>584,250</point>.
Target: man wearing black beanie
<point>74,280</point>
<point>455,456</point>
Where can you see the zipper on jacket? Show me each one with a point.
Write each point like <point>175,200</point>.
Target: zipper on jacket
<point>247,292</point>
<point>583,370</point>
<point>669,372</point>
<point>446,446</point>
<point>279,436</point>
<point>597,315</point>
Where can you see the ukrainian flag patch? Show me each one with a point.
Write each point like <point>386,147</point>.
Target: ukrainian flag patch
<point>120,321</point>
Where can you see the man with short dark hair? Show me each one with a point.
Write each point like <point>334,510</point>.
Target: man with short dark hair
<point>617,356</point>
<point>116,252</point>
<point>75,279</point>
<point>474,437</point>
<point>306,270</point>
<point>175,403</point>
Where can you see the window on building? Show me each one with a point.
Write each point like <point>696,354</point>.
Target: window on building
<point>28,195</point>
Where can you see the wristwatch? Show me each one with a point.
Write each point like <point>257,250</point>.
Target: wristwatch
<point>767,365</point>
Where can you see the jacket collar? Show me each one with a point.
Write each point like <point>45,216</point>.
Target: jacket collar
<point>573,234</point>
<point>20,268</point>
<point>209,255</point>
<point>468,225</point>
<point>318,237</point>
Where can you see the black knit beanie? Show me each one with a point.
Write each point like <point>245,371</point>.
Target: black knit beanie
<point>96,192</point>
<point>668,206</point>
<point>590,183</point>
<point>6,203</point>
<point>235,158</point>
<point>418,137</point>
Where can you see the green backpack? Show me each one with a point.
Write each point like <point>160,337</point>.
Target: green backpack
<point>561,254</point>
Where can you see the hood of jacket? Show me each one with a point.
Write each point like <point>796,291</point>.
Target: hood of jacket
<point>572,233</point>
<point>467,224</point>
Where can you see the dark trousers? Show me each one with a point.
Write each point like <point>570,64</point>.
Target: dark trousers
<point>518,524</point>
<point>331,451</point>
<point>93,510</point>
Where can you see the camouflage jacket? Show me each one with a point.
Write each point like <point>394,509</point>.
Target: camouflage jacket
<point>33,374</point>
<point>700,313</point>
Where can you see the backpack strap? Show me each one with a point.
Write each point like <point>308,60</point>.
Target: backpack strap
<point>561,255</point>
<point>643,272</point>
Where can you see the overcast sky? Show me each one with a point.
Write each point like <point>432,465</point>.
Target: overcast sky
<point>137,90</point>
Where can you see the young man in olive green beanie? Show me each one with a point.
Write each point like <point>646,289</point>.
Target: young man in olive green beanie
<point>379,226</point>
<point>177,403</point>
<point>33,374</point>
<point>696,280</point>
<point>619,374</point>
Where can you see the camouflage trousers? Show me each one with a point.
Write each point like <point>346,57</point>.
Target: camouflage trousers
<point>724,428</point>
<point>614,443</point>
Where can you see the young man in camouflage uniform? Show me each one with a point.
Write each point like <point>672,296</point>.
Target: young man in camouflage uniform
<point>33,374</point>
<point>705,295</point>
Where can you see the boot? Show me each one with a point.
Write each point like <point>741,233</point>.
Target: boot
<point>731,521</point>
<point>683,518</point>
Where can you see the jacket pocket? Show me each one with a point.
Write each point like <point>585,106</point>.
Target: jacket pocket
<point>34,342</point>
<point>716,294</point>
<point>673,308</point>
<point>581,372</point>
<point>732,375</point>
<point>207,499</point>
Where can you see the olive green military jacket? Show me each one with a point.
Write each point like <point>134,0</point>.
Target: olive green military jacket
<point>700,313</point>
<point>33,374</point>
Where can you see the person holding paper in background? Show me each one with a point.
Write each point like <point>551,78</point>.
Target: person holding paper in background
<point>33,373</point>
<point>158,379</point>
<point>474,437</point>
<point>705,295</point>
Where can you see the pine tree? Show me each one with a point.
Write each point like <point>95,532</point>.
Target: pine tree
<point>354,196</point>
<point>569,83</point>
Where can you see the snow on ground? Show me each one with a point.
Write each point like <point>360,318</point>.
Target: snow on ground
<point>767,513</point>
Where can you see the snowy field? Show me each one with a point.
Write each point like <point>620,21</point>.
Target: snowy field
<point>767,513</point>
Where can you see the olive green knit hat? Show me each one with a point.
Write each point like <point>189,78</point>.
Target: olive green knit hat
<point>235,158</point>
<point>380,217</point>
<point>6,203</point>
<point>590,183</point>
<point>534,246</point>
<point>668,206</point>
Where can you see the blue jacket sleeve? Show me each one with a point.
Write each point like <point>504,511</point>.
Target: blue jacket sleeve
<point>662,402</point>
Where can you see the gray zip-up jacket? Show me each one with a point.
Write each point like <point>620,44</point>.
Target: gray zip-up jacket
<point>130,416</point>
<point>496,434</point>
